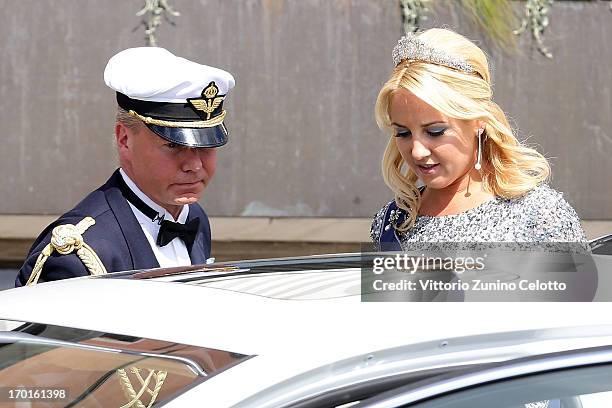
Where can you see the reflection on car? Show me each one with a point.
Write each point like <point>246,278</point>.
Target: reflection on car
<point>292,332</point>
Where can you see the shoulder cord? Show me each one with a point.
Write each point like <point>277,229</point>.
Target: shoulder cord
<point>65,239</point>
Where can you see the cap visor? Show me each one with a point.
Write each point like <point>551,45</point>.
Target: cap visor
<point>194,137</point>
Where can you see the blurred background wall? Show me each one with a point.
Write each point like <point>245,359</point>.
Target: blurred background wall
<point>303,141</point>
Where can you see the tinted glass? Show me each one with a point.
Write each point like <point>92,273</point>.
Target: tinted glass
<point>87,368</point>
<point>575,388</point>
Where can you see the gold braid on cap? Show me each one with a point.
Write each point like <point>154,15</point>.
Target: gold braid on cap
<point>65,239</point>
<point>217,120</point>
<point>410,47</point>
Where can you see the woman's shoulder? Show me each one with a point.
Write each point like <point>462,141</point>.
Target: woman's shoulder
<point>544,199</point>
<point>552,216</point>
<point>542,193</point>
<point>539,198</point>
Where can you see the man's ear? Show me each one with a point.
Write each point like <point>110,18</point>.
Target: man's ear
<point>122,136</point>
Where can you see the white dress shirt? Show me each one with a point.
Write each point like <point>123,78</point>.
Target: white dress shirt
<point>173,254</point>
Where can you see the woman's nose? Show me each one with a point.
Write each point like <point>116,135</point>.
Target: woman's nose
<point>419,150</point>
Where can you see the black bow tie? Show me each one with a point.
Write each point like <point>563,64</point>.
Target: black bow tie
<point>169,230</point>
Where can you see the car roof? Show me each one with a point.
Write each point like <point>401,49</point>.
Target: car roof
<point>231,307</point>
<point>241,297</point>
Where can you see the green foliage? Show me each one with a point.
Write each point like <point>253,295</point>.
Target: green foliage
<point>496,18</point>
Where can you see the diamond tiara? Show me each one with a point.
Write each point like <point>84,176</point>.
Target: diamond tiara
<point>410,47</point>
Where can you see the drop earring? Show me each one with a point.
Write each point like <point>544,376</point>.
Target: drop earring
<point>478,166</point>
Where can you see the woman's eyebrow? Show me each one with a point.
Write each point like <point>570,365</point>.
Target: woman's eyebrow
<point>433,123</point>
<point>441,122</point>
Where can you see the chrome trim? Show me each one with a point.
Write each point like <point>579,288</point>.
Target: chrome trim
<point>15,337</point>
<point>452,353</point>
<point>597,242</point>
<point>245,267</point>
<point>577,359</point>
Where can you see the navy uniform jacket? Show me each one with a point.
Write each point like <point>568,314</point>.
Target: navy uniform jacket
<point>117,237</point>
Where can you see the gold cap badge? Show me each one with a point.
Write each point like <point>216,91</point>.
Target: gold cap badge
<point>208,102</point>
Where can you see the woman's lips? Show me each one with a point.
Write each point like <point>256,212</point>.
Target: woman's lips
<point>428,169</point>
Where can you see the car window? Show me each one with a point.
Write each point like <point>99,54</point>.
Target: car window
<point>68,367</point>
<point>572,388</point>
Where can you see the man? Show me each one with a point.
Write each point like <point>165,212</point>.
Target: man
<point>169,124</point>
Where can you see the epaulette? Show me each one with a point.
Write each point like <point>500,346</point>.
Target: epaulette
<point>66,239</point>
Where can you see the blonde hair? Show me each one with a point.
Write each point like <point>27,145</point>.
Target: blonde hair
<point>509,169</point>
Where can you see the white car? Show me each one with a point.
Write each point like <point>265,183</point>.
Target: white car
<point>291,333</point>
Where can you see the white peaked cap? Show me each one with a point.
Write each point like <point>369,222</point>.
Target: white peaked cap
<point>155,74</point>
<point>179,100</point>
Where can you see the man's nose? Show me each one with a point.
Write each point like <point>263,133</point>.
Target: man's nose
<point>191,160</point>
<point>419,150</point>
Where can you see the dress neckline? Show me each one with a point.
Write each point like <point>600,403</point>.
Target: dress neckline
<point>473,209</point>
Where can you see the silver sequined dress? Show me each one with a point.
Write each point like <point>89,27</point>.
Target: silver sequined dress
<point>542,215</point>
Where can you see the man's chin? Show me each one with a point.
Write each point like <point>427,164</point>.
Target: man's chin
<point>185,200</point>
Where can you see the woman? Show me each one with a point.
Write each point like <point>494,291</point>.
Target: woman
<point>478,183</point>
